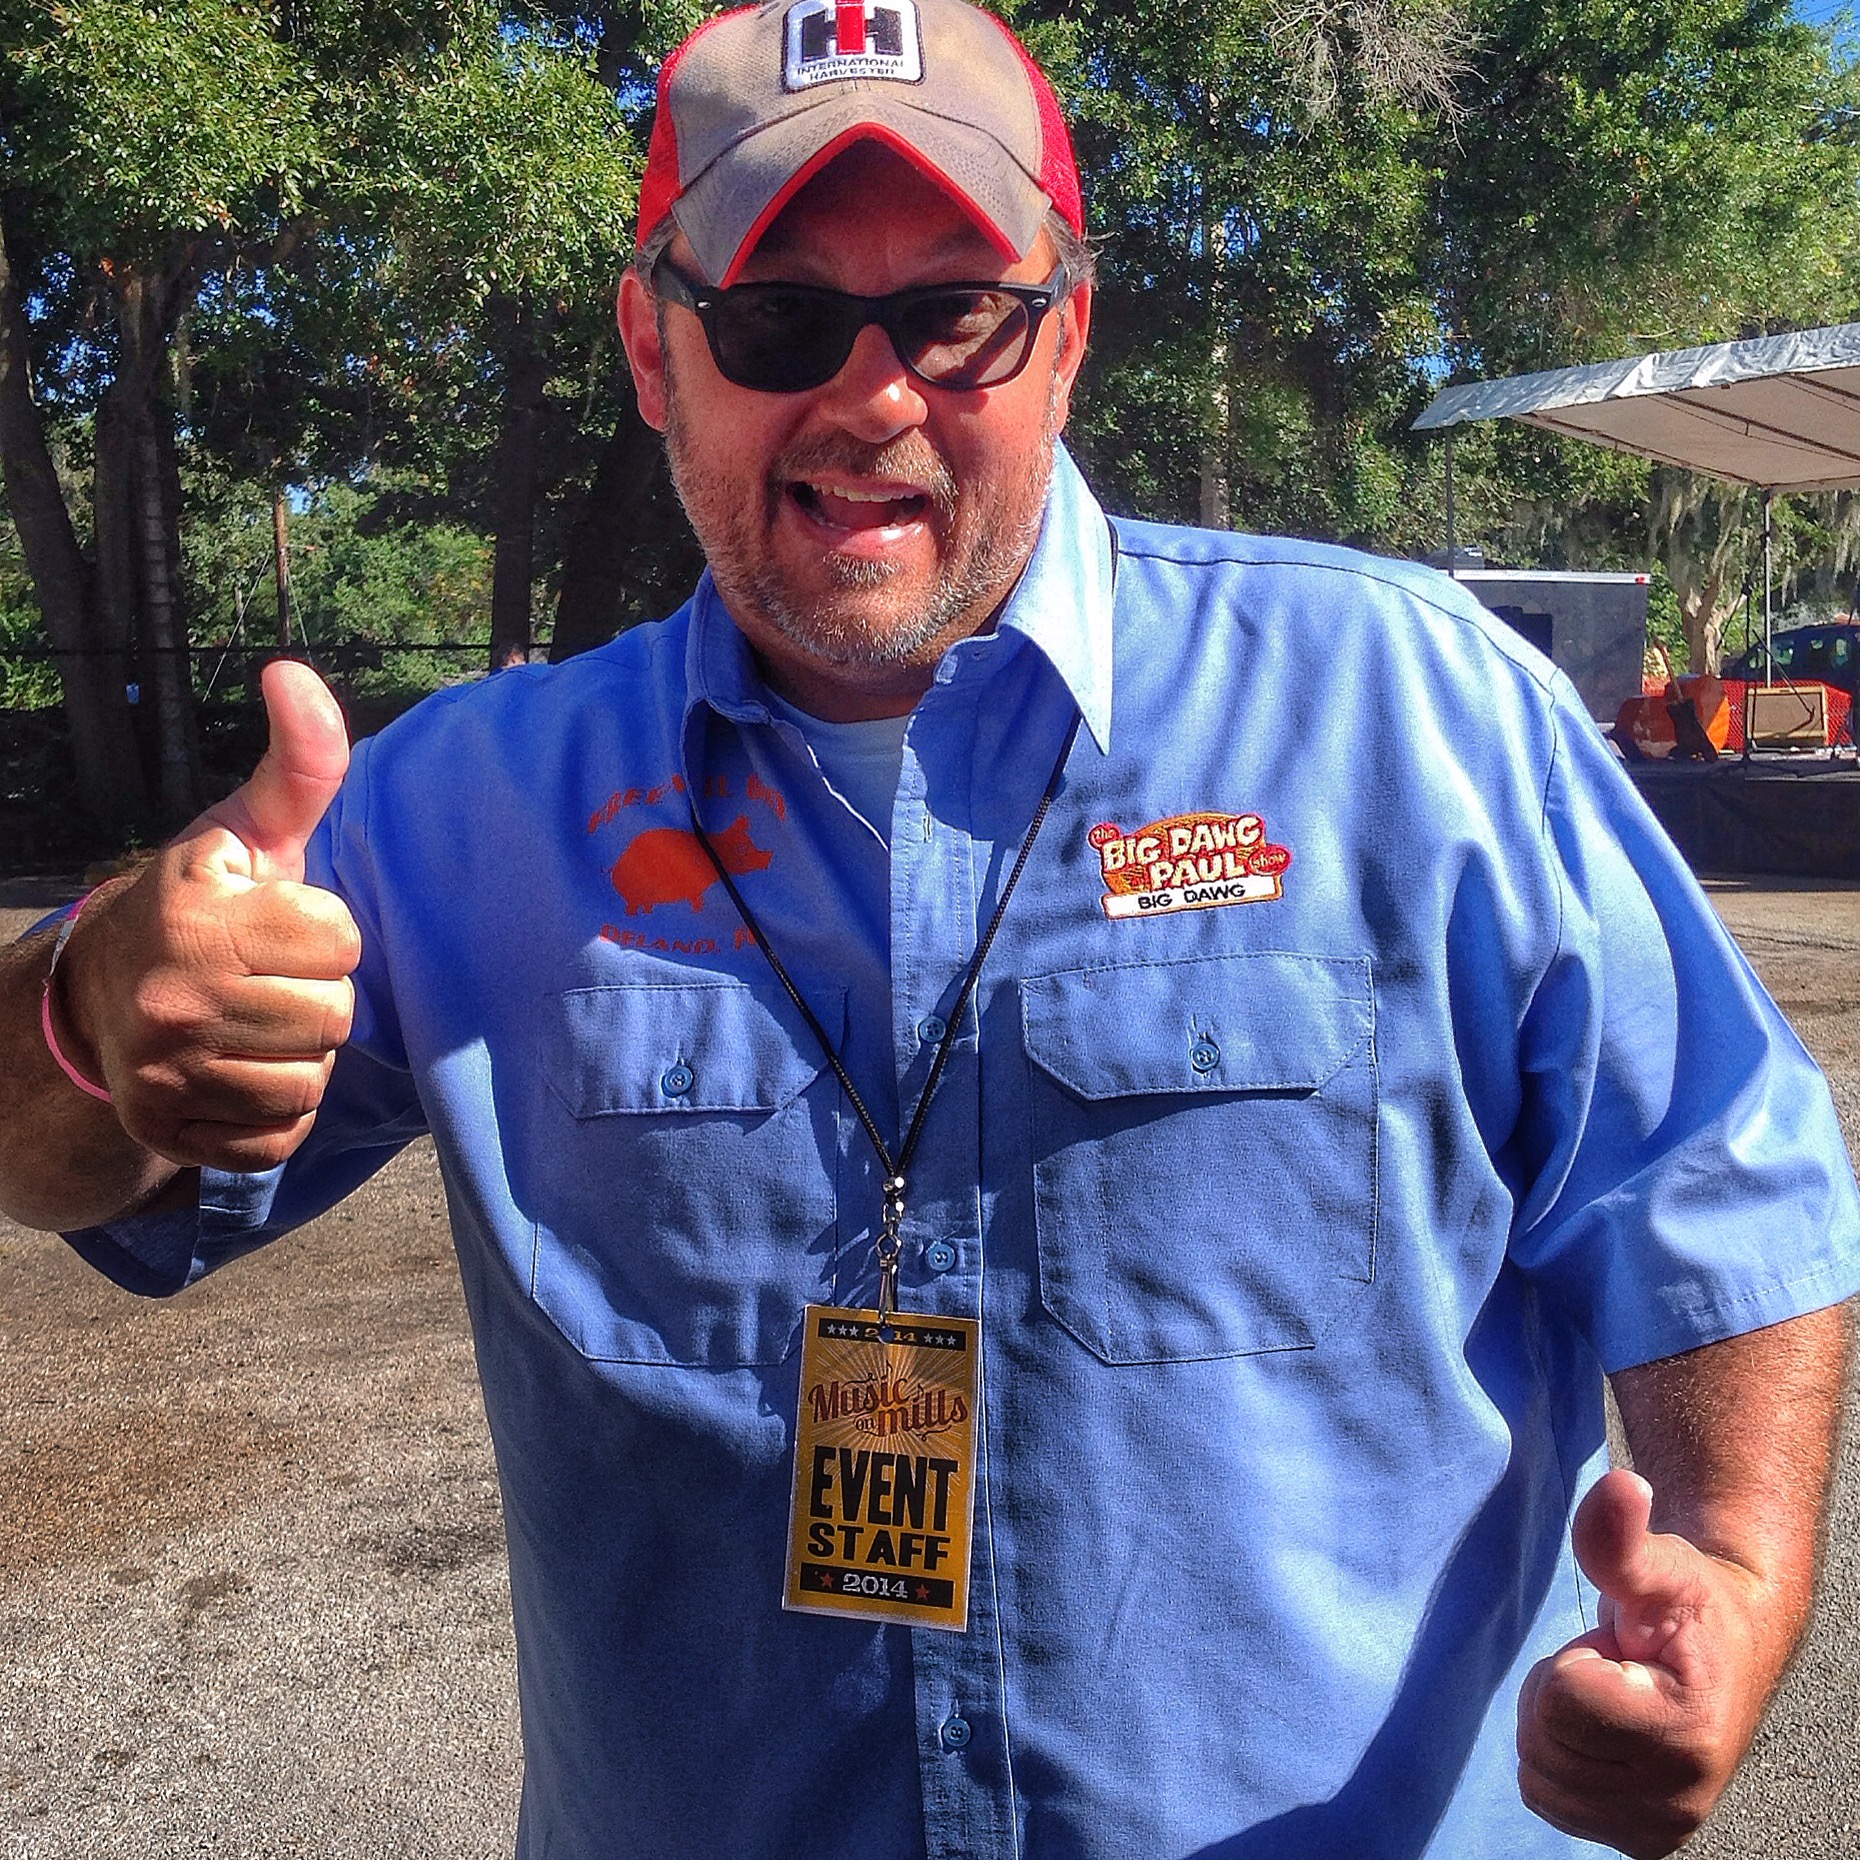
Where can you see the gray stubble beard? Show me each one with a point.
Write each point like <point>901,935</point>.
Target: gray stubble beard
<point>977,586</point>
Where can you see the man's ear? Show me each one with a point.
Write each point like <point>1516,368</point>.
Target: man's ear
<point>1074,328</point>
<point>637,316</point>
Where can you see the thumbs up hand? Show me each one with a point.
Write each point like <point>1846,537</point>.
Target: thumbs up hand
<point>210,992</point>
<point>1629,1734</point>
<point>272,817</point>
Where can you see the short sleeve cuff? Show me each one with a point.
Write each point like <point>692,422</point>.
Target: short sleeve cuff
<point>157,1255</point>
<point>1687,1316</point>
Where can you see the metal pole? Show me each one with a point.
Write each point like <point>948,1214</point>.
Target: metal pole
<point>1452,552</point>
<point>1769,662</point>
<point>280,566</point>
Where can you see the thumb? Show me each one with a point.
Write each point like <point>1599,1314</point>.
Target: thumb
<point>1652,1580</point>
<point>278,808</point>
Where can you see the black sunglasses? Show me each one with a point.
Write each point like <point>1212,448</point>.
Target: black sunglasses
<point>787,338</point>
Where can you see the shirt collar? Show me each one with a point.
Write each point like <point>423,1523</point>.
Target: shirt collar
<point>720,670</point>
<point>1061,604</point>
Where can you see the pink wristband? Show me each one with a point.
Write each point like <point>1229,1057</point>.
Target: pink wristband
<point>45,1008</point>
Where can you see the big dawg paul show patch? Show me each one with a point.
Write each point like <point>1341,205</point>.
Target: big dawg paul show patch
<point>1189,862</point>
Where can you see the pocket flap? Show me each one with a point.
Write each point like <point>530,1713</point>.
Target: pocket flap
<point>1261,1022</point>
<point>636,1047</point>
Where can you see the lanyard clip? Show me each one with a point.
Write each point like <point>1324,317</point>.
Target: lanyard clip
<point>888,1246</point>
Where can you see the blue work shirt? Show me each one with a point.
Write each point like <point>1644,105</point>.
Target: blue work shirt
<point>1357,1076</point>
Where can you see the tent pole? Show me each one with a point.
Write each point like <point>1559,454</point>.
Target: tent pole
<point>1769,663</point>
<point>1452,552</point>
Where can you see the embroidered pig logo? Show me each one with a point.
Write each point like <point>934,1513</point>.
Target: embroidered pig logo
<point>666,865</point>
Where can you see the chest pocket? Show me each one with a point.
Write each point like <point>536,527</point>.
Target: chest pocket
<point>1204,1141</point>
<point>688,1212</point>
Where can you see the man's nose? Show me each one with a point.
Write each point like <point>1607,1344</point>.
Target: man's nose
<point>874,396</point>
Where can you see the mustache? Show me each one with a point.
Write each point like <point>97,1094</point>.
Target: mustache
<point>908,458</point>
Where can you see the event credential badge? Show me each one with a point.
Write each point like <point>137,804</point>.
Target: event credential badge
<point>884,1468</point>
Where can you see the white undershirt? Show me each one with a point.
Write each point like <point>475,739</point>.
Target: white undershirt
<point>861,761</point>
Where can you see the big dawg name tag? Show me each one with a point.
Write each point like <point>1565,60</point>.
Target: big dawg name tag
<point>1189,862</point>
<point>884,1468</point>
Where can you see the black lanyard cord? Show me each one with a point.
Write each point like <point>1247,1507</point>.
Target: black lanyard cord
<point>887,1245</point>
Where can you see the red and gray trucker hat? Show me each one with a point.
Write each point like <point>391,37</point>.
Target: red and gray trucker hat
<point>758,100</point>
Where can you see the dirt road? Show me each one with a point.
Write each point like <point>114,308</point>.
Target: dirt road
<point>252,1594</point>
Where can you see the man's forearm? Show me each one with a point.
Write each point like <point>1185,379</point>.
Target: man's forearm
<point>1738,1440</point>
<point>65,1161</point>
<point>1706,1566</point>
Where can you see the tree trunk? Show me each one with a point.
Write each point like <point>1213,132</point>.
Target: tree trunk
<point>177,774</point>
<point>526,372</point>
<point>91,681</point>
<point>592,605</point>
<point>113,531</point>
<point>1216,510</point>
<point>154,552</point>
<point>1704,624</point>
<point>1216,507</point>
<point>1702,534</point>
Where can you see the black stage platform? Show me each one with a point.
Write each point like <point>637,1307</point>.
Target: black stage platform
<point>1797,815</point>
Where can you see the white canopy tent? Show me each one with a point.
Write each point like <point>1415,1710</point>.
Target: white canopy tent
<point>1778,412</point>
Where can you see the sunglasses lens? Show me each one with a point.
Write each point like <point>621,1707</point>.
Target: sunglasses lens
<point>964,339</point>
<point>781,339</point>
<point>788,338</point>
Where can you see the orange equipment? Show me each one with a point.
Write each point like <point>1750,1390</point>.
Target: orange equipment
<point>1689,718</point>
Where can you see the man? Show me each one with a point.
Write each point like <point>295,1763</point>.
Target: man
<point>1351,1077</point>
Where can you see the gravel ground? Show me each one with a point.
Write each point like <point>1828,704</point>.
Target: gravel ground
<point>252,1589</point>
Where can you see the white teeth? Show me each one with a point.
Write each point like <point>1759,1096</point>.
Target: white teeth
<point>864,497</point>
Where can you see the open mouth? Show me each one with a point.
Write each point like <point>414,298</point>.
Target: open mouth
<point>843,509</point>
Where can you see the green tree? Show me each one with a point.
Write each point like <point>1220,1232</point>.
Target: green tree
<point>26,683</point>
<point>340,225</point>
<point>1255,180</point>
<point>503,200</point>
<point>146,146</point>
<point>1309,220</point>
<point>1683,171</point>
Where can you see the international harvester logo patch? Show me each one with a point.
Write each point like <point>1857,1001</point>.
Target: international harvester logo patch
<point>1189,862</point>
<point>830,41</point>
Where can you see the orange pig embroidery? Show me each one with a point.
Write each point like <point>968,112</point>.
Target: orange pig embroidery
<point>666,865</point>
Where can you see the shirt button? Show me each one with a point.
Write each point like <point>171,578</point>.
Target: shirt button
<point>677,1081</point>
<point>932,1028</point>
<point>939,1256</point>
<point>1204,1055</point>
<point>955,1733</point>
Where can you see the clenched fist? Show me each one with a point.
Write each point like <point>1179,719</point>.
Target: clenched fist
<point>210,992</point>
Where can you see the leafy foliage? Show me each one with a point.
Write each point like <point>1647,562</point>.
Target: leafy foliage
<point>356,575</point>
<point>1312,218</point>
<point>152,121</point>
<point>1670,172</point>
<point>311,227</point>
<point>27,682</point>
<point>509,168</point>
